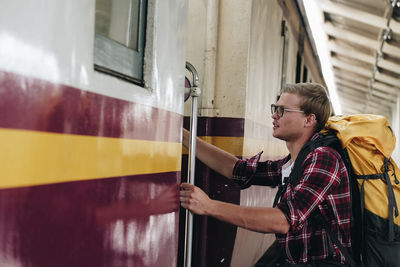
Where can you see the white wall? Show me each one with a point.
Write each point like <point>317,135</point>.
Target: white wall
<point>263,85</point>
<point>247,80</point>
<point>53,40</point>
<point>396,129</point>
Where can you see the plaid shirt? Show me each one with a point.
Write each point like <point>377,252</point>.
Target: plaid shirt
<point>324,185</point>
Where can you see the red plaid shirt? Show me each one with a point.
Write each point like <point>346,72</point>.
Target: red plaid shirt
<point>324,185</point>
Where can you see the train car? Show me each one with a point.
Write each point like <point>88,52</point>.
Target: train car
<point>92,109</point>
<point>87,136</point>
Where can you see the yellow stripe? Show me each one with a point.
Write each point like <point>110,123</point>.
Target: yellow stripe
<point>233,145</point>
<point>33,158</point>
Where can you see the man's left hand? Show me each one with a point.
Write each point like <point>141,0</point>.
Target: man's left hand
<point>194,199</point>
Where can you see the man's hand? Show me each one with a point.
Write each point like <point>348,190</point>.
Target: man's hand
<point>259,219</point>
<point>194,199</point>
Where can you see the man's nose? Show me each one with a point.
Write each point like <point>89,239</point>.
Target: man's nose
<point>275,116</point>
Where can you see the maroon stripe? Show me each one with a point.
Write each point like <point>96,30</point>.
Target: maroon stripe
<point>33,104</point>
<point>217,126</point>
<point>73,224</point>
<point>213,239</point>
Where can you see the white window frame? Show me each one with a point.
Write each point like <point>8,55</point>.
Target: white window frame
<point>118,60</point>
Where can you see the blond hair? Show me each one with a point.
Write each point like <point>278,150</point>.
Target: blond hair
<point>314,100</point>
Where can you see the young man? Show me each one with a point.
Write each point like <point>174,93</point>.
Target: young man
<point>301,111</point>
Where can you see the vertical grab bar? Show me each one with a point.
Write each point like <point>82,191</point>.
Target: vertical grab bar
<point>194,93</point>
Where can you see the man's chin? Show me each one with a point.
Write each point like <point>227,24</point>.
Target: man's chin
<point>276,135</point>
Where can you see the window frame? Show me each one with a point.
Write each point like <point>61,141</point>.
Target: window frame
<point>116,59</point>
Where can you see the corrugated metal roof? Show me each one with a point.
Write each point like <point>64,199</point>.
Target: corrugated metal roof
<point>364,44</point>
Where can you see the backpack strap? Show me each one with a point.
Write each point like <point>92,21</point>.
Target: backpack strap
<point>391,196</point>
<point>333,237</point>
<point>392,199</point>
<point>281,190</point>
<point>329,140</point>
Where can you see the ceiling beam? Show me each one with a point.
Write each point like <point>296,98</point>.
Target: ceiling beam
<point>389,65</point>
<point>350,52</point>
<point>350,67</point>
<point>360,88</point>
<point>359,39</point>
<point>340,74</point>
<point>360,104</point>
<point>356,54</point>
<point>349,107</point>
<point>350,110</point>
<point>358,15</point>
<point>387,88</point>
<point>365,72</point>
<point>360,109</point>
<point>365,81</point>
<point>350,36</point>
<point>391,49</point>
<point>387,78</point>
<point>362,98</point>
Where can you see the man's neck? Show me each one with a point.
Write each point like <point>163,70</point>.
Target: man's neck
<point>295,146</point>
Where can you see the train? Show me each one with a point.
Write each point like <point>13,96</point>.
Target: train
<point>92,107</point>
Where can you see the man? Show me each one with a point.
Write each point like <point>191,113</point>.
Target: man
<point>301,111</point>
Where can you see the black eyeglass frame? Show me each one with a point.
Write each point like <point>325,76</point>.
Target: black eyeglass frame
<point>280,110</point>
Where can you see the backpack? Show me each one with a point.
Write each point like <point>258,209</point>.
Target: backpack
<point>365,143</point>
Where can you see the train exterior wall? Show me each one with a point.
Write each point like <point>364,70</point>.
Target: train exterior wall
<point>88,161</point>
<point>242,41</point>
<point>396,129</point>
<point>263,88</point>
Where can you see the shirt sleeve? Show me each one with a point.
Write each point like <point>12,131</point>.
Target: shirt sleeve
<point>321,176</point>
<point>253,172</point>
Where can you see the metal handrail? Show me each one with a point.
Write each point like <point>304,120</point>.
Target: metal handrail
<point>194,93</point>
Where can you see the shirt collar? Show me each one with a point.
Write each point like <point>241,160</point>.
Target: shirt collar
<point>315,136</point>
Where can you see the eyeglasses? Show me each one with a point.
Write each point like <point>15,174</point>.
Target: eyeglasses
<point>280,110</point>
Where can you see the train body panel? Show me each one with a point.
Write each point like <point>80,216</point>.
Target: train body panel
<point>50,40</point>
<point>90,162</point>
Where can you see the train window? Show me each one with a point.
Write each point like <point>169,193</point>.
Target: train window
<point>119,38</point>
<point>285,49</point>
<point>298,67</point>
<point>305,72</point>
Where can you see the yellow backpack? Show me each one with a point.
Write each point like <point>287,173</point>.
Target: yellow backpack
<point>368,142</point>
<point>365,143</point>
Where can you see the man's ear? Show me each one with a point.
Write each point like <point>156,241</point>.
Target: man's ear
<point>311,120</point>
